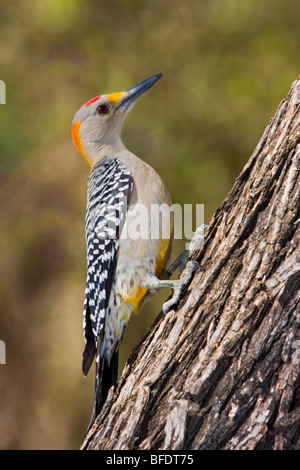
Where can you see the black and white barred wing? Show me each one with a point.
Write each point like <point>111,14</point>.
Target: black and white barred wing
<point>109,189</point>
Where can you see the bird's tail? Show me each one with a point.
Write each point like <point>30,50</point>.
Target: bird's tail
<point>106,377</point>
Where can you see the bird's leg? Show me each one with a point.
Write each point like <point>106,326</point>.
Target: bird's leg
<point>180,262</point>
<point>186,266</point>
<point>153,283</point>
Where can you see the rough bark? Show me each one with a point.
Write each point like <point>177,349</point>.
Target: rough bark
<point>222,370</point>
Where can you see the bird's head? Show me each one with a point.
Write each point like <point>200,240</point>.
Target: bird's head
<point>96,127</point>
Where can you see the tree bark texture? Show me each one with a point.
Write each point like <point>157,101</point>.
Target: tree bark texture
<point>222,370</point>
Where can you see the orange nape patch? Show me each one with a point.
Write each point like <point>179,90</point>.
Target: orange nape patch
<point>78,142</point>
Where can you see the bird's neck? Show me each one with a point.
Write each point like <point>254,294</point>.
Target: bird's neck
<point>102,150</point>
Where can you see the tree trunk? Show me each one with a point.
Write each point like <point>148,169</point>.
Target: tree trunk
<point>222,370</point>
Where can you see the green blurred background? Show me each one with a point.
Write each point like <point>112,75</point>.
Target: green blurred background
<point>226,64</point>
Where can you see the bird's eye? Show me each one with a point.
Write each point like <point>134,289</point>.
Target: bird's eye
<point>102,109</point>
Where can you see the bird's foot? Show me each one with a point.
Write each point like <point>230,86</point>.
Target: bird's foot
<point>179,284</point>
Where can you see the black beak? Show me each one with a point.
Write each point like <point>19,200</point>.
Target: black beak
<point>136,91</point>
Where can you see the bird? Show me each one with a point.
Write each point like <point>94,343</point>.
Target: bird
<point>123,267</point>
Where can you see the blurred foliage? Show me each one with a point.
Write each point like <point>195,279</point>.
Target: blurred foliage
<point>226,64</point>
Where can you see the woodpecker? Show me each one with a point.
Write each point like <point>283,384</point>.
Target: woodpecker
<point>122,266</point>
